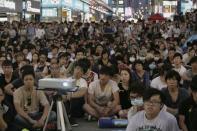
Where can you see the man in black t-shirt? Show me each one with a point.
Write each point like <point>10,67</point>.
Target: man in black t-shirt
<point>188,109</point>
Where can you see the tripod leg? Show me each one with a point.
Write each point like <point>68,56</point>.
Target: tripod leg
<point>66,117</point>
<point>50,109</point>
<point>58,119</point>
<point>61,116</point>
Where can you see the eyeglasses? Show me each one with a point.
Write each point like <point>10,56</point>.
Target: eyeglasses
<point>154,103</point>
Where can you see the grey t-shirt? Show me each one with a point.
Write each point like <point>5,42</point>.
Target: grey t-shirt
<point>163,122</point>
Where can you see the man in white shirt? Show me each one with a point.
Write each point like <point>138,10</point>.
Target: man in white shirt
<point>153,118</point>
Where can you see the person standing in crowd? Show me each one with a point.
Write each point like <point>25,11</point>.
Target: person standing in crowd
<point>103,96</point>
<point>188,109</point>
<point>153,117</point>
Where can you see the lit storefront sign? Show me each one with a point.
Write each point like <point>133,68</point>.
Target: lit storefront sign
<point>186,5</point>
<point>56,3</point>
<point>49,12</point>
<point>8,4</point>
<point>30,7</point>
<point>169,8</point>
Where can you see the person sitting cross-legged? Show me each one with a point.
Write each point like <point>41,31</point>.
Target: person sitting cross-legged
<point>27,100</point>
<point>103,96</point>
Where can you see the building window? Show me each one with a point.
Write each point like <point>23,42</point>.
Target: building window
<point>120,10</point>
<point>120,2</point>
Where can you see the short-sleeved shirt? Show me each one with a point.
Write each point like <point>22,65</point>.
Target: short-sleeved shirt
<point>105,96</point>
<point>183,94</point>
<point>81,83</point>
<point>185,109</point>
<point>30,101</point>
<point>164,121</point>
<point>3,82</point>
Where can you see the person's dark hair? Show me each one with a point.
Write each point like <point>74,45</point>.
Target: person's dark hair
<point>149,92</point>
<point>105,52</point>
<point>84,64</point>
<point>178,55</point>
<point>137,62</point>
<point>136,87</point>
<point>105,70</point>
<point>7,63</point>
<point>79,50</point>
<point>193,60</point>
<point>28,72</point>
<point>172,49</point>
<point>54,47</point>
<point>164,69</point>
<point>173,74</point>
<point>27,68</point>
<point>63,54</point>
<point>193,84</point>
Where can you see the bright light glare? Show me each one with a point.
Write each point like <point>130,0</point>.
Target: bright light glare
<point>65,84</point>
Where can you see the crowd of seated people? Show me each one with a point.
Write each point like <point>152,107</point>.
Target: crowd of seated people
<point>138,71</point>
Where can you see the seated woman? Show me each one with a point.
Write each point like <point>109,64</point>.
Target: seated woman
<point>173,93</point>
<point>124,86</point>
<point>27,100</point>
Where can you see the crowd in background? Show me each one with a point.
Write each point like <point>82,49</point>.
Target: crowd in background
<point>113,62</point>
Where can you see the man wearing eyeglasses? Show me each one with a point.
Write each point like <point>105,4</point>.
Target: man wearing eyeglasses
<point>153,118</point>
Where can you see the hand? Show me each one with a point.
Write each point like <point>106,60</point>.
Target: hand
<point>32,121</point>
<point>38,124</point>
<point>100,110</point>
<point>106,111</point>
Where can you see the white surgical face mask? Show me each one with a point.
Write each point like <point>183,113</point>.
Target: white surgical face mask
<point>137,102</point>
<point>156,58</point>
<point>142,58</point>
<point>132,59</point>
<point>152,66</point>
